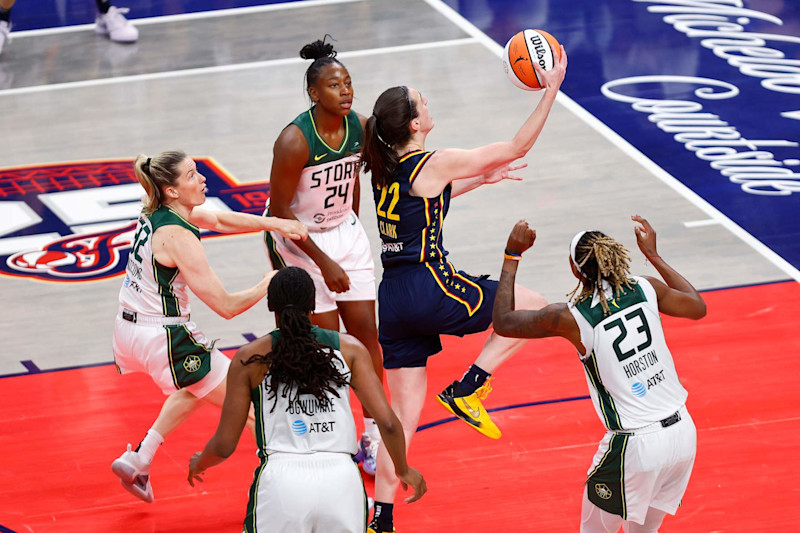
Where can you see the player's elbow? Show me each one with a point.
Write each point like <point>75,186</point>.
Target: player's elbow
<point>699,310</point>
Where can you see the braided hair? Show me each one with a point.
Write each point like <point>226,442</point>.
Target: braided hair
<point>600,258</point>
<point>322,54</point>
<point>298,363</point>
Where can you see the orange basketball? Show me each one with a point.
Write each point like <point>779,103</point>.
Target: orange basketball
<point>524,48</point>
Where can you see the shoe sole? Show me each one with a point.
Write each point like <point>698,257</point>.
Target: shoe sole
<point>136,491</point>
<point>124,471</point>
<point>474,424</point>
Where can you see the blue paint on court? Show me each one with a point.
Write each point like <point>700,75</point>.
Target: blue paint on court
<point>39,14</point>
<point>709,92</point>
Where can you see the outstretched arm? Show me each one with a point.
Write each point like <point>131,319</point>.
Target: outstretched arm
<point>553,320</point>
<point>454,164</point>
<point>369,390</point>
<point>233,222</point>
<point>677,297</point>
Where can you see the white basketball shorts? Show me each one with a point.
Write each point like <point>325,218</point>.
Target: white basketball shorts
<point>175,356</point>
<point>307,493</point>
<point>646,468</point>
<point>347,244</point>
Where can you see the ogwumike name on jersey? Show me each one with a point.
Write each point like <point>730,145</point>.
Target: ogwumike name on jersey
<point>310,406</point>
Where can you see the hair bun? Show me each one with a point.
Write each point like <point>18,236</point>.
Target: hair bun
<point>318,49</point>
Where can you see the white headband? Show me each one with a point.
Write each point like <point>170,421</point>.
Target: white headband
<point>574,244</point>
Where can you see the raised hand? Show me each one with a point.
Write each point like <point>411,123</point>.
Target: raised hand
<point>521,238</point>
<point>551,79</point>
<point>645,237</point>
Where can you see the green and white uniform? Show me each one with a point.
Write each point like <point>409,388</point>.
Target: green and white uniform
<point>307,480</point>
<point>323,201</point>
<point>153,332</point>
<point>646,457</point>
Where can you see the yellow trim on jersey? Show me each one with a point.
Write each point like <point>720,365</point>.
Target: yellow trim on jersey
<point>416,170</point>
<point>346,133</point>
<point>471,310</point>
<point>425,230</point>
<point>180,217</point>
<point>410,154</point>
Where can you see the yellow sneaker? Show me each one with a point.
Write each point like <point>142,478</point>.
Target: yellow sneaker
<point>469,408</point>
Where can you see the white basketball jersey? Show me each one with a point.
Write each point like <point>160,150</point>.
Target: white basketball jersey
<point>306,425</point>
<point>629,369</point>
<point>324,195</point>
<point>149,287</point>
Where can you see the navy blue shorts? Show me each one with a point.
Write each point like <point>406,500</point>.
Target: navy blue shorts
<point>418,304</point>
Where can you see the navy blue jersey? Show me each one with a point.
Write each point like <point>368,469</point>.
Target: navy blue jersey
<point>410,226</point>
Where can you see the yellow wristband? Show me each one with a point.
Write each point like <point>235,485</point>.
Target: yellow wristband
<point>512,257</point>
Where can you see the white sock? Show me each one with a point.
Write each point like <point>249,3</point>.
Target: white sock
<point>371,429</point>
<point>149,445</point>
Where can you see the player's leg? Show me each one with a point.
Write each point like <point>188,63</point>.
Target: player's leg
<point>359,321</point>
<point>651,524</point>
<point>596,520</point>
<point>408,387</point>
<point>463,398</point>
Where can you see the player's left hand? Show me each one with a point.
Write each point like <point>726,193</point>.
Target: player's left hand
<point>194,472</point>
<point>521,238</point>
<point>503,172</point>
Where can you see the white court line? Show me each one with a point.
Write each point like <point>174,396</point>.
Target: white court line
<point>231,68</point>
<point>701,223</point>
<point>189,16</point>
<point>630,150</point>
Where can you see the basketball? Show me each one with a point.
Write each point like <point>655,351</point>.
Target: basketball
<point>524,48</point>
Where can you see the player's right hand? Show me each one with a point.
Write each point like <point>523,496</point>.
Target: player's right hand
<point>551,79</point>
<point>335,277</point>
<point>521,238</point>
<point>414,479</point>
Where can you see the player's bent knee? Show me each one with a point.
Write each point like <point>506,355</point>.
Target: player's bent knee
<point>525,298</point>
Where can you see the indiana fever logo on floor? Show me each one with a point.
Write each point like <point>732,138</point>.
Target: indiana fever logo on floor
<point>74,222</point>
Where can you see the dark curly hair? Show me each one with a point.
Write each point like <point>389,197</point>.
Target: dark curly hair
<point>298,363</point>
<point>322,54</point>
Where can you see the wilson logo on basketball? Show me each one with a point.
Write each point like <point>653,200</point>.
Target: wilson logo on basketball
<point>74,222</point>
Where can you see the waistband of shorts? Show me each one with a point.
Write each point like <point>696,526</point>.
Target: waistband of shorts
<point>671,420</point>
<point>313,456</point>
<point>150,320</point>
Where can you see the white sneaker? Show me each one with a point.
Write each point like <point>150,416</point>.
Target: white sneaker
<point>5,28</point>
<point>134,475</point>
<point>369,451</point>
<point>114,25</point>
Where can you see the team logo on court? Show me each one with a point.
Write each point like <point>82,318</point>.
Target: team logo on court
<point>74,222</point>
<point>603,491</point>
<point>192,363</point>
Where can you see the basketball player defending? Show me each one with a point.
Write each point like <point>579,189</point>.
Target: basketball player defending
<point>315,179</point>
<point>153,333</point>
<point>642,466</point>
<point>298,378</point>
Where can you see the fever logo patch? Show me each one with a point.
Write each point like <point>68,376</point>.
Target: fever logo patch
<point>74,222</point>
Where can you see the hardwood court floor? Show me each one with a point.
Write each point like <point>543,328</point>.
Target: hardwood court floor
<point>63,429</point>
<point>224,88</point>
